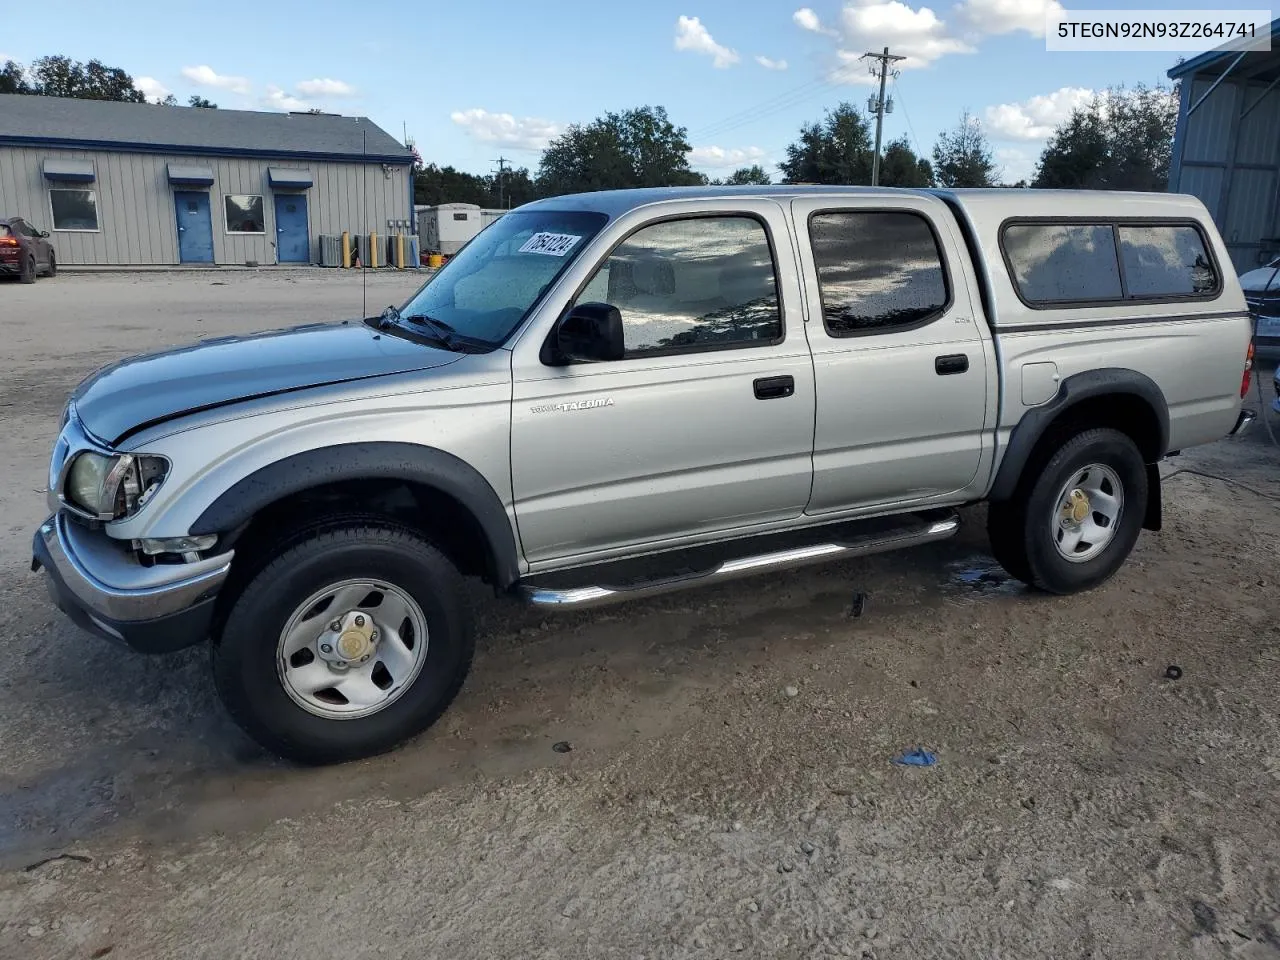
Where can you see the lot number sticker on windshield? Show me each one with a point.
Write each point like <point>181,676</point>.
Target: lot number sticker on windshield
<point>551,244</point>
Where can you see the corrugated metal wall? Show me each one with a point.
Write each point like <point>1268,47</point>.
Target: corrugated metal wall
<point>1232,163</point>
<point>137,222</point>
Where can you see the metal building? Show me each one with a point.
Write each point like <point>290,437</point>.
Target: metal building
<point>135,184</point>
<point>1226,150</point>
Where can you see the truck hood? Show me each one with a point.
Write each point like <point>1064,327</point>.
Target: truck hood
<point>141,391</point>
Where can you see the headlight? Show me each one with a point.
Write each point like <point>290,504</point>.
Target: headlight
<point>113,487</point>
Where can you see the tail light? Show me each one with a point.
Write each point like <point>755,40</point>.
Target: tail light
<point>1248,372</point>
<point>8,241</point>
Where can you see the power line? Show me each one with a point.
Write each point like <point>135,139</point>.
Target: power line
<point>768,108</point>
<point>897,91</point>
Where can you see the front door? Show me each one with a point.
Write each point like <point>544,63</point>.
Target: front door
<point>705,425</point>
<point>293,237</point>
<point>195,230</point>
<point>900,361</point>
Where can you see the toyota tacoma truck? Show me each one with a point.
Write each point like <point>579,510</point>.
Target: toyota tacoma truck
<point>614,394</point>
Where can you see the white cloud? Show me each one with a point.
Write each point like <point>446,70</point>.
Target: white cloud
<point>1036,118</point>
<point>205,76</point>
<point>719,158</point>
<point>916,34</point>
<point>1007,16</point>
<point>524,133</point>
<point>806,19</point>
<point>1016,163</point>
<point>151,88</point>
<point>771,64</point>
<point>277,99</point>
<point>325,87</point>
<point>693,36</point>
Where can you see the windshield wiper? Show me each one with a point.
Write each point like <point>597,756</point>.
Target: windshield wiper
<point>446,334</point>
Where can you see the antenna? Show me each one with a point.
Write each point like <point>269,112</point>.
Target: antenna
<point>364,218</point>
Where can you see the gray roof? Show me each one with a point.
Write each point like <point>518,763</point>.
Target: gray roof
<point>98,124</point>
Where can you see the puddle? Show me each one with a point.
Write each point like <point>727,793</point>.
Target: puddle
<point>982,577</point>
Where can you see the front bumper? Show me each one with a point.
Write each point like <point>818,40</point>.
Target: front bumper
<point>100,585</point>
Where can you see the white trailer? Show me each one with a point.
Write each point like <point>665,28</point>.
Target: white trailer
<point>447,228</point>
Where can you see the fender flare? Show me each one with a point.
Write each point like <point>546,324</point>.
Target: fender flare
<point>1109,381</point>
<point>375,460</point>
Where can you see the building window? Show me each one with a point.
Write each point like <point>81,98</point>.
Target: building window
<point>1165,261</point>
<point>74,209</point>
<point>244,214</point>
<point>1062,263</point>
<point>878,271</point>
<point>690,285</point>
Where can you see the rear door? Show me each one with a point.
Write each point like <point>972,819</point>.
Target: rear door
<point>902,369</point>
<point>705,426</point>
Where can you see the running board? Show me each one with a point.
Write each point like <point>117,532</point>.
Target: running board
<point>923,530</point>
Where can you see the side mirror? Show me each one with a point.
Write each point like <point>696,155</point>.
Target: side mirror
<point>590,332</point>
<point>44,234</point>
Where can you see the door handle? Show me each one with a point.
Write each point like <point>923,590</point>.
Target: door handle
<point>771,388</point>
<point>951,363</point>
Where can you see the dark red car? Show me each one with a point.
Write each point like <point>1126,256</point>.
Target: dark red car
<point>25,252</point>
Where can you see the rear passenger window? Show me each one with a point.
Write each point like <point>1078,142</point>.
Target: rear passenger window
<point>877,271</point>
<point>1165,261</point>
<point>1059,263</point>
<point>697,284</point>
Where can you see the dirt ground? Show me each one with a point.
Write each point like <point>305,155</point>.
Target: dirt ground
<point>1083,805</point>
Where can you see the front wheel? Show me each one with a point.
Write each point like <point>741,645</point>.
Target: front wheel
<point>53,264</point>
<point>345,644</point>
<point>1075,523</point>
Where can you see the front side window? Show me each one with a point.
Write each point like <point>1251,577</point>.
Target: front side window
<point>74,209</point>
<point>878,271</point>
<point>1165,261</point>
<point>696,284</point>
<point>491,284</point>
<point>1063,262</point>
<point>244,214</point>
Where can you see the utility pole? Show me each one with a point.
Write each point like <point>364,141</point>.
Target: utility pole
<point>878,105</point>
<point>502,166</point>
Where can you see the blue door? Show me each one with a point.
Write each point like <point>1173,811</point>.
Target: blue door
<point>293,239</point>
<point>195,231</point>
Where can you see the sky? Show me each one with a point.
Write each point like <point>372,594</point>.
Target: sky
<point>474,81</point>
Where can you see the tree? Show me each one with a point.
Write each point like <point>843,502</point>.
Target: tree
<point>836,151</point>
<point>962,156</point>
<point>169,100</point>
<point>754,174</point>
<point>59,76</point>
<point>13,79</point>
<point>900,167</point>
<point>640,147</point>
<point>433,185</point>
<point>195,100</point>
<point>1119,141</point>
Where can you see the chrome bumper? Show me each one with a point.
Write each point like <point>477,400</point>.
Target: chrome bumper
<point>105,580</point>
<point>1243,422</point>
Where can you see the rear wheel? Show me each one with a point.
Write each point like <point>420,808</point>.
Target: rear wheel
<point>1072,525</point>
<point>345,644</point>
<point>28,274</point>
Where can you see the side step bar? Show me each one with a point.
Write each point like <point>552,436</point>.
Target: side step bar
<point>584,597</point>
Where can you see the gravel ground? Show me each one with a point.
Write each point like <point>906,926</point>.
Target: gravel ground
<point>729,789</point>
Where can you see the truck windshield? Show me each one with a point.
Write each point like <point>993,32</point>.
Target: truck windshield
<point>488,288</point>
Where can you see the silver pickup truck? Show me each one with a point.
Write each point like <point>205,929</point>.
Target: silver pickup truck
<point>614,394</point>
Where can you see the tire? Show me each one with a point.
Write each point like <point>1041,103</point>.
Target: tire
<point>28,274</point>
<point>53,265</point>
<point>1052,533</point>
<point>250,662</point>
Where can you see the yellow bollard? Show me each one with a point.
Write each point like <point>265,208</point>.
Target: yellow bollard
<point>346,248</point>
<point>400,250</point>
<point>373,249</point>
